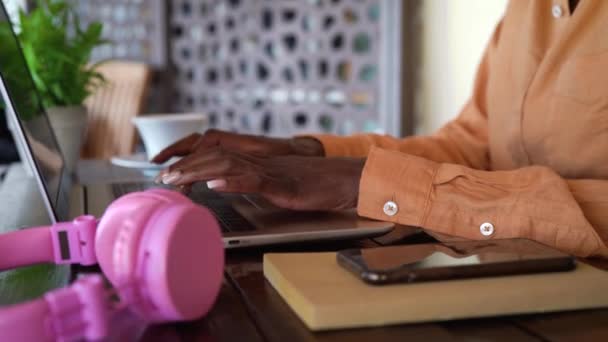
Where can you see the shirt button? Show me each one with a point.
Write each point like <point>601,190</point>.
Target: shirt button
<point>486,229</point>
<point>557,12</point>
<point>390,208</point>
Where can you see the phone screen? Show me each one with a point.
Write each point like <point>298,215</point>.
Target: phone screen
<point>438,261</point>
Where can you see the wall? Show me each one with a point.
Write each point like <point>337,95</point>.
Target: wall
<point>12,7</point>
<point>455,33</point>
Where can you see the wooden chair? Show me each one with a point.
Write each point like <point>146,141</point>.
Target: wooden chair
<point>110,109</point>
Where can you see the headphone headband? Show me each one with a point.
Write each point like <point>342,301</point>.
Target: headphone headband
<point>62,243</point>
<point>66,314</point>
<point>174,238</point>
<point>79,310</point>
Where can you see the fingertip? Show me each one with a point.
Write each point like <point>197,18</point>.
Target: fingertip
<point>159,158</point>
<point>156,159</point>
<point>171,178</point>
<point>216,183</point>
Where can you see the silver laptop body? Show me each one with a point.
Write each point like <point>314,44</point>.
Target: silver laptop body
<point>268,224</point>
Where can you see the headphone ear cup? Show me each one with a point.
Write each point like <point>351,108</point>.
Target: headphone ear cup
<point>163,253</point>
<point>121,224</point>
<point>181,263</point>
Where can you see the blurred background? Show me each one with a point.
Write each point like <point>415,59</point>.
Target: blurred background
<point>284,67</point>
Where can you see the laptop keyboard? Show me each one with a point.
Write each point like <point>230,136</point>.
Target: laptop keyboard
<point>230,220</point>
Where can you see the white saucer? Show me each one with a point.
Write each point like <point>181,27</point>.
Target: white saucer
<point>140,161</point>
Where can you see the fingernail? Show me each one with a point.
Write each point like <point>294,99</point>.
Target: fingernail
<point>216,183</point>
<point>171,177</point>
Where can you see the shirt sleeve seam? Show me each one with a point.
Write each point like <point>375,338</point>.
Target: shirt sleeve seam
<point>371,158</point>
<point>427,202</point>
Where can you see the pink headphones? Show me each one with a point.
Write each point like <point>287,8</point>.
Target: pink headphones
<point>162,253</point>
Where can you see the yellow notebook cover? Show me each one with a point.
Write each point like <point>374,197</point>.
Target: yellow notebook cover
<point>326,296</point>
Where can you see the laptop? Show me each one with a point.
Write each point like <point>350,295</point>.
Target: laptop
<point>245,220</point>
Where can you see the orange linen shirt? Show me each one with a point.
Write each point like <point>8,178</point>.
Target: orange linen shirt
<point>528,154</point>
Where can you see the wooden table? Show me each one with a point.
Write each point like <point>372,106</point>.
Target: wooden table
<point>249,309</point>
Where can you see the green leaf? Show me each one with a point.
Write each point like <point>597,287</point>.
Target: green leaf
<point>57,50</point>
<point>26,283</point>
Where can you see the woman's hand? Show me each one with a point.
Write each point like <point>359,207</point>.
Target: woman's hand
<point>293,182</point>
<point>250,144</point>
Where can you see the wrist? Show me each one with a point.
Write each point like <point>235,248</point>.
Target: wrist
<point>307,146</point>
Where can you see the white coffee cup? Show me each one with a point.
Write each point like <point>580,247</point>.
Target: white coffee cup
<point>161,130</point>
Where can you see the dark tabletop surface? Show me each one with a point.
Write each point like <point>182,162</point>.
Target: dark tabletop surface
<point>249,309</point>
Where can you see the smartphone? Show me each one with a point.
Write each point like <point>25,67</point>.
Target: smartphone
<point>454,260</point>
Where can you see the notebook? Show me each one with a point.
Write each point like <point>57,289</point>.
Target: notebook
<point>326,297</point>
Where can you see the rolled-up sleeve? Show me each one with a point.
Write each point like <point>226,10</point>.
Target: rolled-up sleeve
<point>463,140</point>
<point>532,202</point>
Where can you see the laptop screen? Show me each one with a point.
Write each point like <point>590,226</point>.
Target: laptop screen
<point>32,130</point>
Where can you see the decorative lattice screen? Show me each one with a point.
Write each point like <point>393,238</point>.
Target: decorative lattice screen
<point>279,67</point>
<point>135,28</point>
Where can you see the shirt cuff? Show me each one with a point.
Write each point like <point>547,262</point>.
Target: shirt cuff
<point>340,146</point>
<point>396,187</point>
<point>533,203</point>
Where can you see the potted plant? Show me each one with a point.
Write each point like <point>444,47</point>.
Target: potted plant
<point>57,51</point>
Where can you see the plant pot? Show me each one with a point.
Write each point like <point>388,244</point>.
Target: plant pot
<point>69,124</point>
